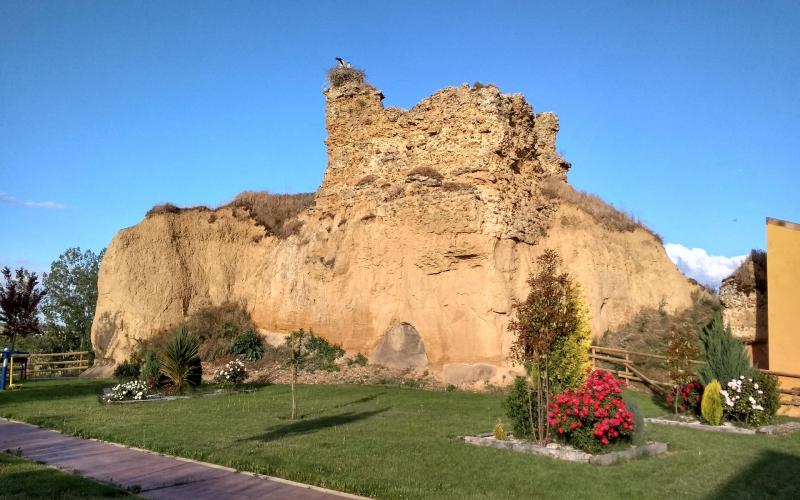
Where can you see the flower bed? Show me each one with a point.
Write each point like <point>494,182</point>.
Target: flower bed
<point>568,453</point>
<point>693,423</point>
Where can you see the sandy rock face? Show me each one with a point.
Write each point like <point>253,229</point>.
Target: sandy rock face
<point>425,228</point>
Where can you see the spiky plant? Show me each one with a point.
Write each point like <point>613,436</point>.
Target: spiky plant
<point>179,361</point>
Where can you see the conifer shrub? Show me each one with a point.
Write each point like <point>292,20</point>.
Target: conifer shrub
<point>724,355</point>
<point>638,436</point>
<point>520,404</point>
<point>499,432</point>
<point>711,406</point>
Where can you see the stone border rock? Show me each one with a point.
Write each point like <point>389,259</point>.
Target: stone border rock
<point>696,424</point>
<point>160,397</point>
<point>770,430</point>
<point>569,454</point>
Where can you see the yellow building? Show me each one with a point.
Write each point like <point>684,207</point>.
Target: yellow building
<point>783,296</point>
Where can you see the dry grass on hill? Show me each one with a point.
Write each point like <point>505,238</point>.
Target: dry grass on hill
<point>604,213</point>
<point>649,331</point>
<point>276,212</point>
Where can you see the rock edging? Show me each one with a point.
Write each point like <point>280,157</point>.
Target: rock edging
<point>770,430</point>
<point>569,454</point>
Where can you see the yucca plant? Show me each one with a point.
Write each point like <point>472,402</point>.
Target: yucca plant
<point>179,361</point>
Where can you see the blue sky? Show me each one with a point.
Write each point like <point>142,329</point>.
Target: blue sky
<point>685,113</point>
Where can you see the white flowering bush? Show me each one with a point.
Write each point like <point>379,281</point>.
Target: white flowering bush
<point>745,401</point>
<point>132,390</point>
<point>232,374</point>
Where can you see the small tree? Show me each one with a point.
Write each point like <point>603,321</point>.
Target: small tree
<point>725,357</point>
<point>297,357</point>
<point>681,350</point>
<point>19,304</point>
<point>551,312</point>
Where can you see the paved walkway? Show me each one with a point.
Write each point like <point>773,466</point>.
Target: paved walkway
<point>156,476</point>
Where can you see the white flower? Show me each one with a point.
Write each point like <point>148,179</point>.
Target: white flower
<point>755,386</point>
<point>760,391</point>
<point>741,377</point>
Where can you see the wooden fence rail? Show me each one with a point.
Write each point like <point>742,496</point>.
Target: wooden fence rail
<point>624,365</point>
<point>57,364</point>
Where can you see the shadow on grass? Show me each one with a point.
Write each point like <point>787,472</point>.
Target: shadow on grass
<point>365,399</point>
<point>307,426</point>
<point>47,391</point>
<point>772,475</point>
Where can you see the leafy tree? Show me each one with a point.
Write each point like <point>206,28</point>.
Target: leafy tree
<point>550,315</point>
<point>20,296</point>
<point>725,357</point>
<point>71,298</point>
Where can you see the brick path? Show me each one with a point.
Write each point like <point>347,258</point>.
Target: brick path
<point>156,476</point>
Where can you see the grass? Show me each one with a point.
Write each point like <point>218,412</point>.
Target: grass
<point>20,478</point>
<point>390,442</point>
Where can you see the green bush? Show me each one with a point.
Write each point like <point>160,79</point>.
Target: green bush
<point>771,398</point>
<point>726,358</point>
<point>318,353</point>
<point>150,373</point>
<point>569,356</point>
<point>248,346</point>
<point>179,361</point>
<point>747,402</point>
<point>127,369</point>
<point>519,404</point>
<point>638,423</point>
<point>711,407</point>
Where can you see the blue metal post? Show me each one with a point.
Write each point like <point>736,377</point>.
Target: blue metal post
<point>6,358</point>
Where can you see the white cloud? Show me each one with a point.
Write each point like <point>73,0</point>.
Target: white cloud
<point>697,264</point>
<point>7,198</point>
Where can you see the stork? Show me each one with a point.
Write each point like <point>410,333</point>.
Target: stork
<point>342,63</point>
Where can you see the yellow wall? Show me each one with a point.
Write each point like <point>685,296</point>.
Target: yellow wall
<point>783,296</point>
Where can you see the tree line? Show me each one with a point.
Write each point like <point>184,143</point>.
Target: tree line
<point>56,314</point>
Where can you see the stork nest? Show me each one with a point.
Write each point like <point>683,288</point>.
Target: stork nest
<point>340,75</point>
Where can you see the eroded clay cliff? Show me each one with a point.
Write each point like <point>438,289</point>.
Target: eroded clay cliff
<point>420,237</point>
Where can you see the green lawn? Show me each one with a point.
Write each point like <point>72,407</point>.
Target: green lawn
<point>391,442</point>
<point>21,478</point>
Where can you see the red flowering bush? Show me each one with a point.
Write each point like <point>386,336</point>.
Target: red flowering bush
<point>592,416</point>
<point>688,397</point>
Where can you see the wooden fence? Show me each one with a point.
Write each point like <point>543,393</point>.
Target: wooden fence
<point>628,365</point>
<point>58,364</point>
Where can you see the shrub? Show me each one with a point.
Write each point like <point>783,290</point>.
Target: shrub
<point>451,388</point>
<point>127,369</point>
<point>638,422</point>
<point>569,357</point>
<point>131,390</point>
<point>358,360</point>
<point>426,172</point>
<point>150,374</point>
<point>248,346</point>
<point>163,208</point>
<point>769,385</point>
<point>751,275</point>
<point>593,416</point>
<point>725,357</point>
<point>340,75</point>
<point>232,374</point>
<point>712,403</point>
<point>217,327</point>
<point>520,404</point>
<point>604,213</point>
<point>498,431</point>
<point>277,213</point>
<point>747,402</point>
<point>686,398</point>
<point>179,361</point>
